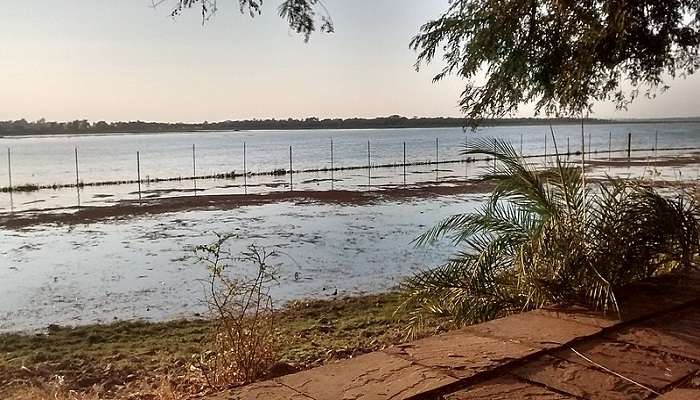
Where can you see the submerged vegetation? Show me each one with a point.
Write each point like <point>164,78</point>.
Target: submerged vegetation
<point>544,236</point>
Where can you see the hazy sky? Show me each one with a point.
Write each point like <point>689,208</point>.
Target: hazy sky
<point>123,60</point>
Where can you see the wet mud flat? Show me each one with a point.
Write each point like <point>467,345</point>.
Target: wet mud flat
<point>155,206</point>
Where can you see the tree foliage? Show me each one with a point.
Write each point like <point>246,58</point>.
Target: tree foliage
<point>303,16</point>
<point>561,55</point>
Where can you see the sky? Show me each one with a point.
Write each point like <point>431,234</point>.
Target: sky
<point>124,60</point>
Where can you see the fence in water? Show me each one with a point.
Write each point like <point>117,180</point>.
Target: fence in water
<point>403,161</point>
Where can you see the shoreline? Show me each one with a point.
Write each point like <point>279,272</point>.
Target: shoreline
<point>123,356</point>
<point>434,123</point>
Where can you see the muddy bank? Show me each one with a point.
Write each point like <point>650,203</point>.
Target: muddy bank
<point>127,209</point>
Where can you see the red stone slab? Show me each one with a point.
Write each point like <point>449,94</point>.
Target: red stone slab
<point>581,315</point>
<point>506,388</point>
<point>681,394</point>
<point>652,369</point>
<point>533,328</point>
<point>462,354</point>
<point>263,391</point>
<point>374,376</point>
<point>677,333</point>
<point>580,381</point>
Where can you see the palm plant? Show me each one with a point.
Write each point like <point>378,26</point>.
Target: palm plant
<point>545,237</point>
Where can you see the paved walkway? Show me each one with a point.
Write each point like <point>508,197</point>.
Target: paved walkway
<point>652,351</point>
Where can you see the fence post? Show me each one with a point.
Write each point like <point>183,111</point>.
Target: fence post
<point>138,172</point>
<point>610,146</point>
<point>568,148</point>
<point>404,163</point>
<point>589,144</point>
<point>656,146</point>
<point>494,158</point>
<point>437,160</point>
<point>332,167</point>
<point>9,169</point>
<point>9,177</point>
<point>369,167</point>
<point>245,171</point>
<point>629,146</point>
<point>291,171</point>
<point>545,150</point>
<point>194,169</point>
<point>466,158</point>
<point>77,176</point>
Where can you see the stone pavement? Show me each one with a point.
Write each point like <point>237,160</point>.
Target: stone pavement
<point>651,350</point>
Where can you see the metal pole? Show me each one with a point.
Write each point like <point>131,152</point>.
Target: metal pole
<point>610,146</point>
<point>138,172</point>
<point>9,177</point>
<point>466,158</point>
<point>332,166</point>
<point>404,163</point>
<point>245,171</point>
<point>568,148</point>
<point>9,169</point>
<point>629,146</point>
<point>545,150</point>
<point>494,157</point>
<point>656,145</point>
<point>369,167</point>
<point>77,176</point>
<point>194,170</point>
<point>437,160</point>
<point>291,171</point>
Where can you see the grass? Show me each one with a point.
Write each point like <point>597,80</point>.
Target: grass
<point>123,357</point>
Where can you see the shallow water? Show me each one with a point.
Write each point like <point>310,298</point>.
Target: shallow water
<point>141,268</point>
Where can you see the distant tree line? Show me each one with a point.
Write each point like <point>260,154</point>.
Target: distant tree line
<point>43,127</point>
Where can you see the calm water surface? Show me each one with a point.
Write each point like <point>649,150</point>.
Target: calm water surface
<point>51,159</point>
<point>141,268</point>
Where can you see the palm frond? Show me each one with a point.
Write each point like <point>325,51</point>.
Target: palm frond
<point>543,237</point>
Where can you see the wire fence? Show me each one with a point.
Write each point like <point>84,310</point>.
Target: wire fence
<point>289,172</point>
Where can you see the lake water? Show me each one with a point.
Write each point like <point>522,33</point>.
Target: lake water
<point>141,267</point>
<point>50,160</point>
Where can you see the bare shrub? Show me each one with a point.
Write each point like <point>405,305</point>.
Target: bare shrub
<point>237,294</point>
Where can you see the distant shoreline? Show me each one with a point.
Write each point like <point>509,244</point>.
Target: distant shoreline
<point>22,128</point>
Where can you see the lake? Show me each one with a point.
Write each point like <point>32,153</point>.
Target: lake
<point>49,160</point>
<point>141,268</point>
